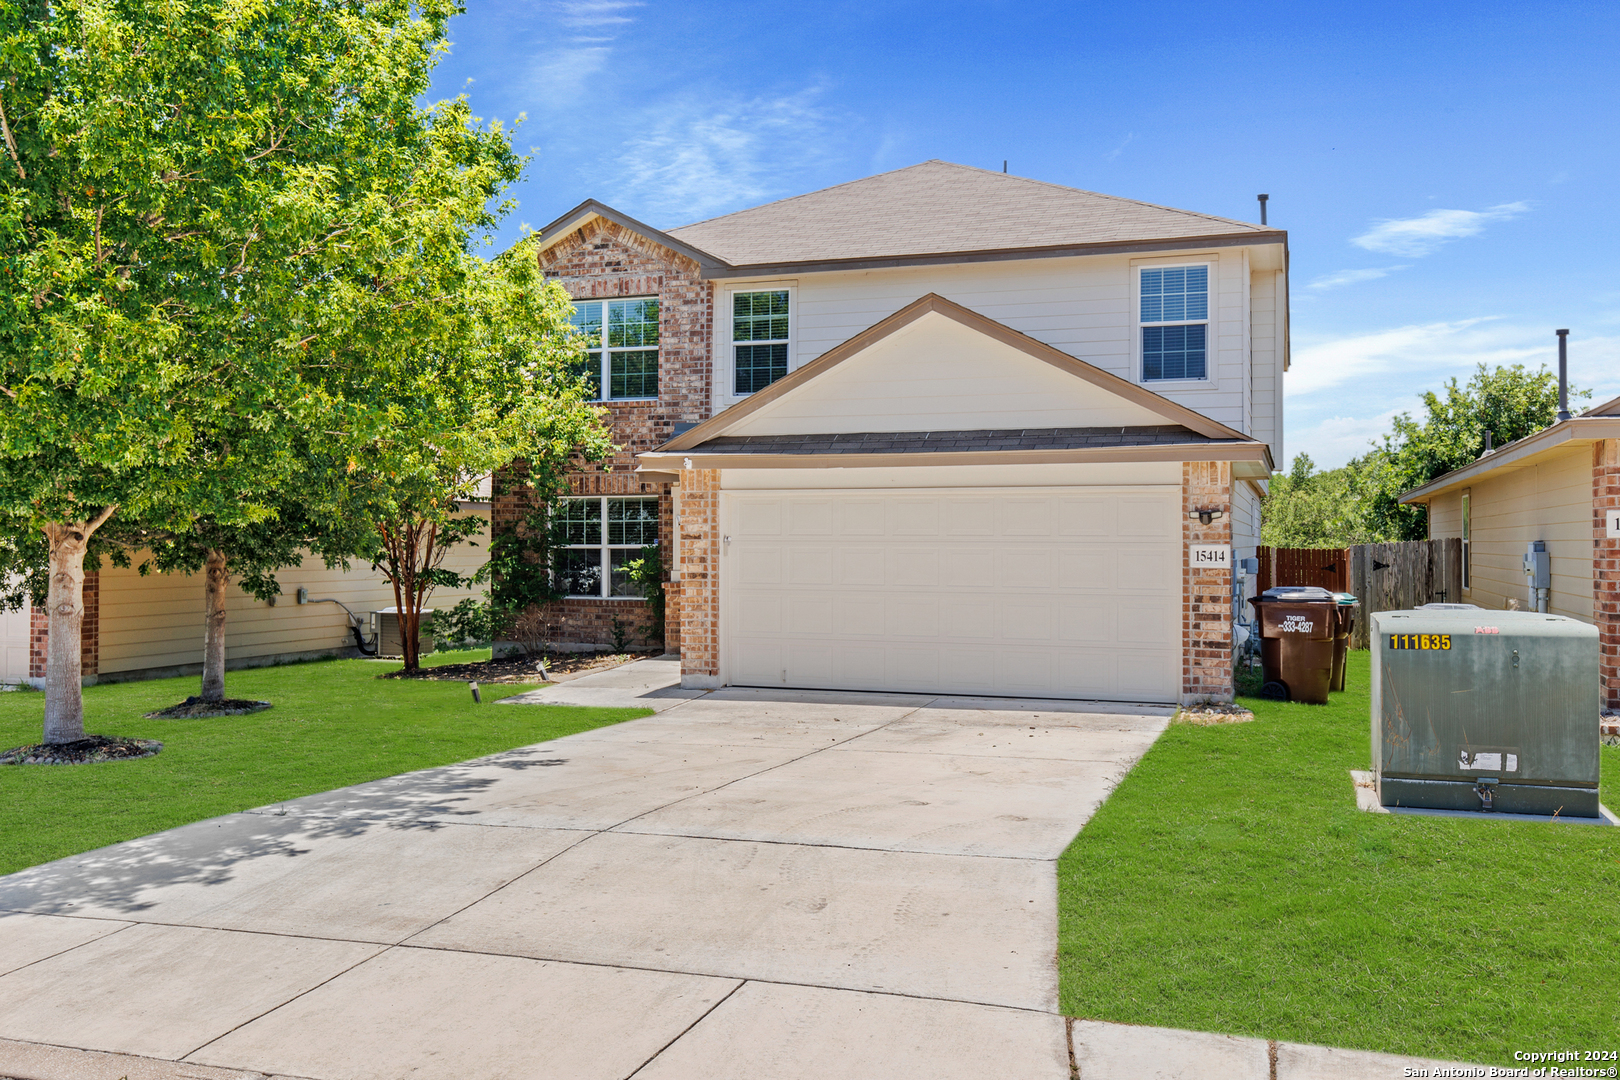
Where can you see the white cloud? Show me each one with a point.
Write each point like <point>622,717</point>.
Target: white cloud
<point>695,158</point>
<point>1416,356</point>
<point>1352,277</point>
<point>1421,235</point>
<point>1120,149</point>
<point>561,74</point>
<point>1336,439</point>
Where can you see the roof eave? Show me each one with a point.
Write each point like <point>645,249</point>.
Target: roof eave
<point>664,461</point>
<point>1577,431</point>
<point>1059,251</point>
<point>564,226</point>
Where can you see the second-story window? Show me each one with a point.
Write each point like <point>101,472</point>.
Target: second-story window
<point>759,339</point>
<point>621,346</point>
<point>1174,317</point>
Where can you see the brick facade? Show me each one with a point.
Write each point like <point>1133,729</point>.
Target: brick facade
<point>603,261</point>
<point>700,578</point>
<point>39,633</point>
<point>1206,603</point>
<point>1606,567</point>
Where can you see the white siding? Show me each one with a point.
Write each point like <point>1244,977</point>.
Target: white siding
<point>156,622</point>
<point>1123,473</point>
<point>1265,378</point>
<point>1082,305</point>
<point>938,375</point>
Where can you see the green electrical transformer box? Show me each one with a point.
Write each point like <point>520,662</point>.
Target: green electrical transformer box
<point>1485,710</point>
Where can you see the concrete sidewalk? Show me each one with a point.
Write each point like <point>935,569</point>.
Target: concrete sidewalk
<point>748,884</point>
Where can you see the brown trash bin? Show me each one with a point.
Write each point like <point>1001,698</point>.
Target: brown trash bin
<point>1298,628</point>
<point>1347,605</point>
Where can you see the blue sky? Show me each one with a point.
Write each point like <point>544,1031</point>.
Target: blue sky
<point>1448,173</point>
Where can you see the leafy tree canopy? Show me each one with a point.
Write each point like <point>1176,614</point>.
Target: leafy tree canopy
<point>1359,503</point>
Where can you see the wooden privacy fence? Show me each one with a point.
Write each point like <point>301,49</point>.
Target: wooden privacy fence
<point>1385,577</point>
<point>1394,577</point>
<point>1327,568</point>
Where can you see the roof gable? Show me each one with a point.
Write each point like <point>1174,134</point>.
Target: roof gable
<point>590,210</point>
<point>939,208</point>
<point>938,366</point>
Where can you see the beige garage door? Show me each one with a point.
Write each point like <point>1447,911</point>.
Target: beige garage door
<point>1053,592</point>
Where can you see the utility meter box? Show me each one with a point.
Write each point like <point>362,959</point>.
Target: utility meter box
<point>1485,710</point>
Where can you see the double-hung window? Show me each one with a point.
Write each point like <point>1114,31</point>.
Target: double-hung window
<point>1174,322</point>
<point>621,346</point>
<point>595,539</point>
<point>759,339</point>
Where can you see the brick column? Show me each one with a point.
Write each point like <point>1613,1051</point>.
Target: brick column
<point>39,634</point>
<point>1606,567</point>
<point>700,578</point>
<point>1206,605</point>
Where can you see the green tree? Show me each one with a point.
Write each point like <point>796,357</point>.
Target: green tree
<point>470,387</point>
<point>198,203</point>
<point>1360,503</point>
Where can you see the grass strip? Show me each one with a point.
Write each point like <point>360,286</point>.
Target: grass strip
<point>1230,885</point>
<point>333,723</point>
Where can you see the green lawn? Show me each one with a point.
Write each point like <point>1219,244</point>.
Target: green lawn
<point>334,723</point>
<point>1231,885</point>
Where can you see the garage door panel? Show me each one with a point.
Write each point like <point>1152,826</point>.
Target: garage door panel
<point>912,618</point>
<point>966,617</point>
<point>1093,568</point>
<point>860,565</point>
<point>1031,618</point>
<point>1094,623</point>
<point>1093,516</point>
<point>969,567</point>
<point>810,517</point>
<point>913,565</point>
<point>1144,568</point>
<point>761,517</point>
<point>810,615</point>
<point>1024,517</point>
<point>810,664</point>
<point>859,517</point>
<point>968,517</point>
<point>914,517</point>
<point>810,566</point>
<point>759,565</point>
<point>1070,593</point>
<point>1147,518</point>
<point>1025,568</point>
<point>859,616</point>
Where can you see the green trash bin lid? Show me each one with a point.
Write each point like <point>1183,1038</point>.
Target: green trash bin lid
<point>1346,599</point>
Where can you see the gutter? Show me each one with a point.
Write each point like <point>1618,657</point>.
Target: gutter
<point>665,462</point>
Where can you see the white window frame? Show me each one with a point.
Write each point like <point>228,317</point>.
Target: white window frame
<point>605,366</point>
<point>1211,331</point>
<point>606,549</point>
<point>725,361</point>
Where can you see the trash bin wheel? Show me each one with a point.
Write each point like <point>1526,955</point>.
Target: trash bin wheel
<point>1274,691</point>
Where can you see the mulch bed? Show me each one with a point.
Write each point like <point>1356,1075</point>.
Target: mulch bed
<point>518,669</point>
<point>1204,715</point>
<point>195,708</point>
<point>89,749</point>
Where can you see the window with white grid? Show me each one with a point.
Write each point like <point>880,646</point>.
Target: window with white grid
<point>1173,312</point>
<point>621,346</point>
<point>759,339</point>
<point>595,539</point>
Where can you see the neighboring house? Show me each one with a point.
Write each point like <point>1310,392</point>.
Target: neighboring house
<point>940,430</point>
<point>1560,486</point>
<point>149,627</point>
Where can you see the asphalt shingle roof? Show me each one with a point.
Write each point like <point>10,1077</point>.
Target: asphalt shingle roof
<point>923,442</point>
<point>941,208</point>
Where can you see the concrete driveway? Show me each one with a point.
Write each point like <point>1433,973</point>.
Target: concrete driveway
<point>749,884</point>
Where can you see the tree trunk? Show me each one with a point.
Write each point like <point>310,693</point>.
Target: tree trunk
<point>64,667</point>
<point>215,577</point>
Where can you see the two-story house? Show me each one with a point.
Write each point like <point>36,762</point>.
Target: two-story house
<point>940,430</point>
